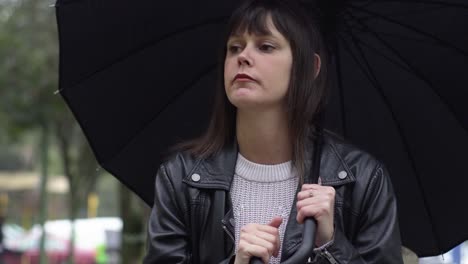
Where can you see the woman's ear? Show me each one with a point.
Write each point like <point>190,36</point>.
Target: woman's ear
<point>317,64</point>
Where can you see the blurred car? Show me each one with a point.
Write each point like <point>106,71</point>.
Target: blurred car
<point>91,234</point>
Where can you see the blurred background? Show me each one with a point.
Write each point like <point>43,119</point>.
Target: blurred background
<point>49,178</point>
<point>48,173</point>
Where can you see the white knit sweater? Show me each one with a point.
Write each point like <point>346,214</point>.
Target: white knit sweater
<point>261,192</point>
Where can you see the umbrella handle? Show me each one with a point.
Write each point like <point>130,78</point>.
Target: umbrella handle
<point>310,224</point>
<point>307,247</point>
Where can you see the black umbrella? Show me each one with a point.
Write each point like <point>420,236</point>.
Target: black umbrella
<point>139,77</point>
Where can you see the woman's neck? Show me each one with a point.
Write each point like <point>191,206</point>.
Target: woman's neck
<point>263,137</point>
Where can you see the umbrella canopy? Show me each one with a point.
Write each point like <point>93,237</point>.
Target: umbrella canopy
<point>139,77</point>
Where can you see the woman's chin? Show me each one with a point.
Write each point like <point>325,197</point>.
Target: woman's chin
<point>243,92</point>
<point>246,98</point>
<point>243,101</point>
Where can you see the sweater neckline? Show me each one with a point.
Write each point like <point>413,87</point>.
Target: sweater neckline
<point>263,173</point>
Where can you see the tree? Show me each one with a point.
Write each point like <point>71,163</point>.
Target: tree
<point>28,79</point>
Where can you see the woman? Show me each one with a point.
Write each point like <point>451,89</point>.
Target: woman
<point>237,192</point>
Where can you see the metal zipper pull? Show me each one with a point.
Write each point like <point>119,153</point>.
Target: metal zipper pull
<point>328,256</point>
<point>233,252</point>
<point>229,233</point>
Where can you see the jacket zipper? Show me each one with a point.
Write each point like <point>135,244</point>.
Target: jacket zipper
<point>329,256</point>
<point>231,236</point>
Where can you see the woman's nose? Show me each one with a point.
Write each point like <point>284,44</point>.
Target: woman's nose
<point>244,58</point>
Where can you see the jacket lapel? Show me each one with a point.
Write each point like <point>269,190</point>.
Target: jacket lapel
<point>214,173</point>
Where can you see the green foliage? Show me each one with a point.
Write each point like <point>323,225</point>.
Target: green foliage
<point>11,160</point>
<point>28,65</point>
<point>28,104</point>
<point>28,81</point>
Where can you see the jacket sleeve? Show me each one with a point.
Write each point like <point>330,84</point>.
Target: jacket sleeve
<point>378,238</point>
<point>167,234</point>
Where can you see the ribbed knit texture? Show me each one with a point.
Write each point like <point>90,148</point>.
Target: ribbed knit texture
<point>261,192</point>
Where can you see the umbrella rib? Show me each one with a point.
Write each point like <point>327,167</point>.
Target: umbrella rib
<point>420,10</point>
<point>407,12</point>
<point>396,36</point>
<point>147,45</point>
<point>410,68</point>
<point>440,41</point>
<point>341,91</point>
<point>414,71</point>
<point>432,2</point>
<point>373,79</point>
<point>400,64</point>
<point>207,70</point>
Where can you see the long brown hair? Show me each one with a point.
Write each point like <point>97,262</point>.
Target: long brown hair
<point>306,94</point>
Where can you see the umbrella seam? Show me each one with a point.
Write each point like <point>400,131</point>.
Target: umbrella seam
<point>455,5</point>
<point>404,141</point>
<point>411,28</point>
<point>413,70</point>
<point>147,124</point>
<point>142,48</point>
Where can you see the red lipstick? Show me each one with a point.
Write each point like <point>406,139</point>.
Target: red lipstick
<point>243,77</point>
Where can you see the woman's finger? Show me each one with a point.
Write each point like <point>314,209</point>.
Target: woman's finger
<point>246,251</point>
<point>276,221</point>
<point>273,239</point>
<point>256,240</point>
<point>307,186</point>
<point>316,200</point>
<point>305,194</point>
<point>305,212</point>
<point>252,228</point>
<point>258,251</point>
<point>266,236</point>
<point>314,191</point>
<point>319,200</point>
<point>317,210</point>
<point>268,229</point>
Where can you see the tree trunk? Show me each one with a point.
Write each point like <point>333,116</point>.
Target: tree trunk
<point>44,154</point>
<point>133,238</point>
<point>73,211</point>
<point>64,137</point>
<point>80,169</point>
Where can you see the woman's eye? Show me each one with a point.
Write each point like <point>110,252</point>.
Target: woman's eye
<point>234,48</point>
<point>267,47</point>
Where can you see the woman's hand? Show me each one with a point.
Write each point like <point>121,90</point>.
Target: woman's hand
<point>259,241</point>
<point>318,202</point>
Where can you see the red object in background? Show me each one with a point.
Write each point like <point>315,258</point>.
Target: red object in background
<point>59,257</point>
<point>10,257</point>
<point>54,257</point>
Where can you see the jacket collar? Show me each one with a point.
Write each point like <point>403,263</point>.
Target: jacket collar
<point>217,172</point>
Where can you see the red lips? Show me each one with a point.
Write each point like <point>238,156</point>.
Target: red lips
<point>243,77</point>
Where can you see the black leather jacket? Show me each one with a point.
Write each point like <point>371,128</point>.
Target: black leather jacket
<point>192,220</point>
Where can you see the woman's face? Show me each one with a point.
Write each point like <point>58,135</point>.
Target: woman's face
<point>257,69</point>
